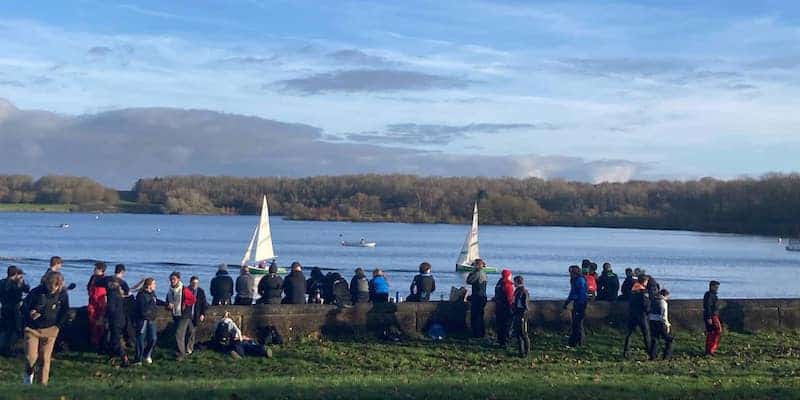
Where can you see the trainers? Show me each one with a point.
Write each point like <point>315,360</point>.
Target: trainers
<point>235,355</point>
<point>27,379</point>
<point>148,360</point>
<point>267,352</point>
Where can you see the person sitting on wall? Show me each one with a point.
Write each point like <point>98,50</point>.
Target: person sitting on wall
<point>423,284</point>
<point>294,286</point>
<point>359,287</point>
<point>221,287</point>
<point>270,287</point>
<point>379,287</point>
<point>245,287</point>
<point>315,286</point>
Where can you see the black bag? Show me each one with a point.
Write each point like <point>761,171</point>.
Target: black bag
<point>222,338</point>
<point>269,335</point>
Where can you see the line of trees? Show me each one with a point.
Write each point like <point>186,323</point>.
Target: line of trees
<point>52,189</point>
<point>768,205</point>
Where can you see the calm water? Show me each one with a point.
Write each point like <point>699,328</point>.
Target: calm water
<point>154,245</point>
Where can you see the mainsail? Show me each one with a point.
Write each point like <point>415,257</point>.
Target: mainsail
<point>469,251</point>
<point>262,239</point>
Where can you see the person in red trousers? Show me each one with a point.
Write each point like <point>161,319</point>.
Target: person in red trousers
<point>711,318</point>
<point>96,309</point>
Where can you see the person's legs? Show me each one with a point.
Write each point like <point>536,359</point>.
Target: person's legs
<point>47,342</point>
<point>180,336</point>
<point>645,328</point>
<point>150,339</point>
<point>715,335</point>
<point>476,317</point>
<point>191,329</point>
<point>31,350</point>
<point>140,342</point>
<point>655,334</point>
<point>668,339</point>
<point>116,322</point>
<point>578,313</point>
<point>632,324</point>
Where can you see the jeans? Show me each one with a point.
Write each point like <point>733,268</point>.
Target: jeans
<point>578,314</point>
<point>145,340</point>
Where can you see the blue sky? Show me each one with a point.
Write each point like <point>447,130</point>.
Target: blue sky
<point>646,89</point>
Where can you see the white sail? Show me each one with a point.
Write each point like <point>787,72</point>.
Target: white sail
<point>247,252</point>
<point>264,250</point>
<point>469,251</point>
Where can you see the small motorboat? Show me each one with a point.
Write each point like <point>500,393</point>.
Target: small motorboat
<point>361,243</point>
<point>64,226</point>
<point>794,245</point>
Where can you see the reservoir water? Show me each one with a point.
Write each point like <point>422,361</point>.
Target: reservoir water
<point>155,245</point>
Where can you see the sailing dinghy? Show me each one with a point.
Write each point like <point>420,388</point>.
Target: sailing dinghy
<point>469,251</point>
<point>261,241</point>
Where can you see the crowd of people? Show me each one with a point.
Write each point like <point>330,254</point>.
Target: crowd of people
<point>38,314</point>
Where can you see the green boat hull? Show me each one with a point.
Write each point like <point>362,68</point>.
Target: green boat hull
<point>469,268</point>
<point>259,271</point>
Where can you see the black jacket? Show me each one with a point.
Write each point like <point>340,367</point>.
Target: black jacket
<point>222,287</point>
<point>521,298</point>
<point>116,292</point>
<point>340,290</point>
<point>626,288</point>
<point>11,293</point>
<point>146,308</point>
<point>200,304</point>
<point>54,308</point>
<point>422,286</point>
<point>294,288</point>
<point>607,286</point>
<point>359,289</point>
<point>639,303</point>
<point>269,288</point>
<point>710,305</point>
<point>315,283</point>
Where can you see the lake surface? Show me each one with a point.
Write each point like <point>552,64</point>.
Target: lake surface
<point>155,245</point>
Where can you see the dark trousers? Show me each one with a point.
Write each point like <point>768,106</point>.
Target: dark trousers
<point>243,301</point>
<point>659,330</point>
<point>10,329</point>
<point>476,306</point>
<point>637,321</point>
<point>380,298</point>
<point>502,320</point>
<point>520,328</point>
<point>116,327</point>
<point>576,334</point>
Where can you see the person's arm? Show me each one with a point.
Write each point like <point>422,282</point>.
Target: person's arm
<point>433,284</point>
<point>126,291</point>
<point>63,311</point>
<point>413,285</point>
<point>471,278</point>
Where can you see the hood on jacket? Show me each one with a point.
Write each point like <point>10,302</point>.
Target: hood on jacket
<point>506,274</point>
<point>222,272</point>
<point>316,274</point>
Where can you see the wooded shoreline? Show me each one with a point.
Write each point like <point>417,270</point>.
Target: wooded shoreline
<point>769,205</point>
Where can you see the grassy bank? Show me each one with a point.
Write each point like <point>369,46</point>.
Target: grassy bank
<point>763,366</point>
<point>30,207</point>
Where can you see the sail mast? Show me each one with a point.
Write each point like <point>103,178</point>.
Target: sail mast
<point>469,251</point>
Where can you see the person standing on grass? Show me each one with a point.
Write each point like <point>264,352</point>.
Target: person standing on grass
<point>221,287</point>
<point>180,301</point>
<point>711,318</point>
<point>98,306</point>
<point>294,286</point>
<point>117,291</point>
<point>660,328</point>
<point>11,290</point>
<point>55,266</point>
<point>45,311</point>
<point>607,284</point>
<point>627,284</point>
<point>520,323</point>
<point>579,298</point>
<point>503,307</point>
<point>423,284</point>
<point>270,287</point>
<point>379,287</point>
<point>145,313</point>
<point>245,287</point>
<point>477,300</point>
<point>359,287</point>
<point>638,309</point>
<point>197,311</point>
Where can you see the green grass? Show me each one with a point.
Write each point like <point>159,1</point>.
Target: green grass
<point>763,366</point>
<point>29,207</point>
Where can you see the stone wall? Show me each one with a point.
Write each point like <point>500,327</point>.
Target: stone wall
<point>312,320</point>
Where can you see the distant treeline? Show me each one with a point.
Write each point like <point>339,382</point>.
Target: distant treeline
<point>769,205</point>
<point>84,193</point>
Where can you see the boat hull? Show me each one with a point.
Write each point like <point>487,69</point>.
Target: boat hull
<point>265,271</point>
<point>357,244</point>
<point>470,268</point>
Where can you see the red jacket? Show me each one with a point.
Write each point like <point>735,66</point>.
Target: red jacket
<point>507,287</point>
<point>187,300</point>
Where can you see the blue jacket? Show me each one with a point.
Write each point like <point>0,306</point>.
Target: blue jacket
<point>379,285</point>
<point>577,291</point>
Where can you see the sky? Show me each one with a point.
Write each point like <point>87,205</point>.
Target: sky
<point>594,91</point>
